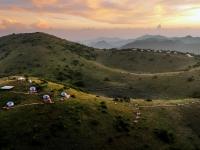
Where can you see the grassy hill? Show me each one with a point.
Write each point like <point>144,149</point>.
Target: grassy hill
<point>123,73</point>
<point>146,61</point>
<point>90,122</point>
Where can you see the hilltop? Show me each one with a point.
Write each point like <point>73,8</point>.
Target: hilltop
<point>134,73</point>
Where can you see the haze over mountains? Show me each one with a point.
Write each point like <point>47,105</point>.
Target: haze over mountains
<point>156,42</point>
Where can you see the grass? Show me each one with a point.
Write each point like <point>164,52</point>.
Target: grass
<point>102,72</point>
<point>95,122</point>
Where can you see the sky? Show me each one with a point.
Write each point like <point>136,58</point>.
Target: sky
<point>87,19</point>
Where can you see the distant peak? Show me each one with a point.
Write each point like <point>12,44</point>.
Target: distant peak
<point>188,36</point>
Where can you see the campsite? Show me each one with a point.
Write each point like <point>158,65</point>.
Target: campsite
<point>99,75</point>
<point>111,122</point>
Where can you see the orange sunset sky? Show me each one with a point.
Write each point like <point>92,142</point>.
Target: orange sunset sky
<point>85,19</point>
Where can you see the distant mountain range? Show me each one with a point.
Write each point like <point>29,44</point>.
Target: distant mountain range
<point>157,42</point>
<point>106,43</point>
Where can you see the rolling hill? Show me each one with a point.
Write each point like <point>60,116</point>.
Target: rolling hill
<point>115,73</point>
<point>106,43</point>
<point>86,121</point>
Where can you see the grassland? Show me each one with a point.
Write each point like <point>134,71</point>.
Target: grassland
<point>88,121</point>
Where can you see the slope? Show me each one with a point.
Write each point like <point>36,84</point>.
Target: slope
<point>89,122</point>
<point>108,72</point>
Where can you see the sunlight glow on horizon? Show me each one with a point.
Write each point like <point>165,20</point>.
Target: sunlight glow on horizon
<point>17,15</point>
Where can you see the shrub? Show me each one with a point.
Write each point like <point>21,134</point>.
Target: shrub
<point>121,124</point>
<point>195,94</point>
<point>106,79</point>
<point>190,79</point>
<point>148,100</point>
<point>122,99</point>
<point>155,77</point>
<point>164,135</point>
<point>73,96</point>
<point>103,108</point>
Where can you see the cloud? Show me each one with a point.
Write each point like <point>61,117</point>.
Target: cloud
<point>9,23</point>
<point>41,24</point>
<point>40,3</point>
<point>126,13</point>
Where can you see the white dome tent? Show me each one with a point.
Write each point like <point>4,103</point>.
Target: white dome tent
<point>33,89</point>
<point>47,99</point>
<point>65,95</point>
<point>10,104</point>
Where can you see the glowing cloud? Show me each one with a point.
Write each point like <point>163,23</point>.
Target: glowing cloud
<point>40,3</point>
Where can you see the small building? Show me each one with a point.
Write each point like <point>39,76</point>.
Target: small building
<point>7,87</point>
<point>33,89</point>
<point>47,99</point>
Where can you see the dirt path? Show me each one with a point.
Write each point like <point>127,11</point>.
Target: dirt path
<point>145,74</point>
<point>169,105</point>
<point>160,74</point>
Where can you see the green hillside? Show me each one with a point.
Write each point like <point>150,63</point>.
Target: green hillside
<point>86,121</point>
<point>146,61</point>
<point>119,73</point>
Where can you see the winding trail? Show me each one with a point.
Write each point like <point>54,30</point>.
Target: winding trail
<point>145,74</point>
<point>162,73</point>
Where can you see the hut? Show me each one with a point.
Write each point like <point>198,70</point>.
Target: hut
<point>33,89</point>
<point>47,99</point>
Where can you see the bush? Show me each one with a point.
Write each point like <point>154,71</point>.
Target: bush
<point>103,108</point>
<point>122,99</point>
<point>164,135</point>
<point>73,96</point>
<point>155,77</point>
<point>195,94</point>
<point>121,124</point>
<point>190,79</point>
<point>148,100</point>
<point>106,79</point>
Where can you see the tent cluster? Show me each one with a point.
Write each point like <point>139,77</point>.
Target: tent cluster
<point>33,90</point>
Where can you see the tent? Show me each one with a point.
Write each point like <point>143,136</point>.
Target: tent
<point>7,87</point>
<point>64,94</point>
<point>47,99</point>
<point>33,89</point>
<point>10,104</point>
